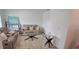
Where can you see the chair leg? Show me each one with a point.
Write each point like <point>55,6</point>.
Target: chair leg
<point>27,38</point>
<point>49,45</point>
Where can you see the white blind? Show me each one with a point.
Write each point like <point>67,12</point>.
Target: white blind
<point>0,22</point>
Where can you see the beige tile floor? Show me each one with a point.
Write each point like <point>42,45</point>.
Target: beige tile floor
<point>21,43</point>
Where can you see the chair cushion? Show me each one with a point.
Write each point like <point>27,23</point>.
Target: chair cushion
<point>3,36</point>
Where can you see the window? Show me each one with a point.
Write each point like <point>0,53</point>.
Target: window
<point>0,22</point>
<point>13,23</point>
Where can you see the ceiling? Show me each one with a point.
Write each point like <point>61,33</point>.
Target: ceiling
<point>34,10</point>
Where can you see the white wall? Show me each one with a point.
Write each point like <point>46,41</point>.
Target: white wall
<point>2,17</point>
<point>27,16</point>
<point>56,22</point>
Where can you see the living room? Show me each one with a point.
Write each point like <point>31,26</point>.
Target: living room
<point>51,22</point>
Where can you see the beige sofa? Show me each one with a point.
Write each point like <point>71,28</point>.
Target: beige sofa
<point>32,29</point>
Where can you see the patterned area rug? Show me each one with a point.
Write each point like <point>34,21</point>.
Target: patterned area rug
<point>29,44</point>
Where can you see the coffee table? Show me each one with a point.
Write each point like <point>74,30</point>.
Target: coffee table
<point>32,36</point>
<point>49,41</point>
